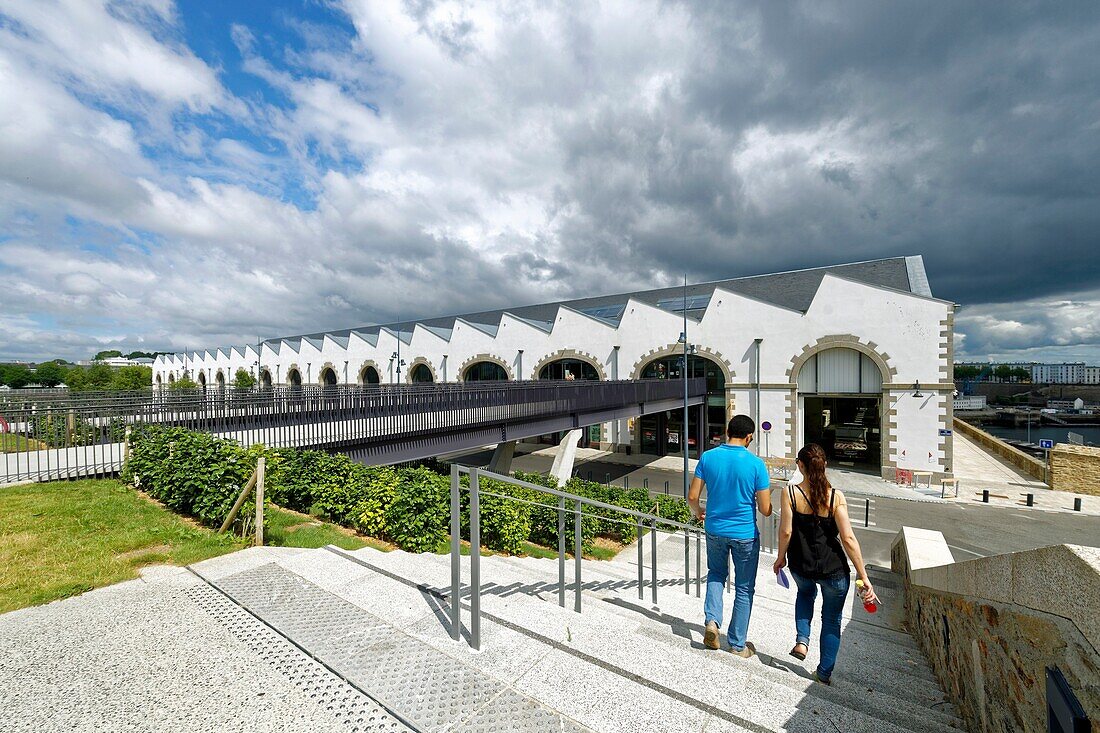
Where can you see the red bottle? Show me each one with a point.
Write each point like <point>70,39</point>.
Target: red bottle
<point>868,606</point>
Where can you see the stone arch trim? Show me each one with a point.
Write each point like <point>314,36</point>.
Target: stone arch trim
<point>363,368</point>
<point>484,357</point>
<point>843,341</point>
<point>677,349</point>
<point>293,367</point>
<point>570,354</point>
<point>417,362</point>
<point>887,417</point>
<point>321,373</point>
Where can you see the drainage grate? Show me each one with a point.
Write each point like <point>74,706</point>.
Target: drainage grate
<point>357,712</point>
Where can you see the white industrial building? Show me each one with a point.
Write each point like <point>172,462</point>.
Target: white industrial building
<point>1073,373</point>
<point>857,357</point>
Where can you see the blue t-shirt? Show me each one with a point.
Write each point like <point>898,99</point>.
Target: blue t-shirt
<point>733,475</point>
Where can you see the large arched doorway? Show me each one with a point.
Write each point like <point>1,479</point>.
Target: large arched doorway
<point>569,369</point>
<point>484,371</point>
<point>662,433</point>
<point>294,379</point>
<point>219,379</point>
<point>265,379</point>
<point>328,377</point>
<point>202,380</point>
<point>369,375</point>
<point>840,407</point>
<point>421,374</point>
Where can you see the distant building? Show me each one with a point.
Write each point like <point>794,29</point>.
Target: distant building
<point>119,361</point>
<point>1073,373</point>
<point>1092,375</point>
<point>1066,405</point>
<point>970,402</point>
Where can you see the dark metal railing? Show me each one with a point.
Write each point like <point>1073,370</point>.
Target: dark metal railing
<point>46,436</point>
<point>565,504</point>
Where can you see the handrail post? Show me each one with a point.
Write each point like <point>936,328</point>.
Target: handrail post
<point>653,558</point>
<point>475,562</point>
<point>687,563</point>
<point>577,551</point>
<point>698,561</point>
<point>561,551</point>
<point>456,558</point>
<point>641,563</point>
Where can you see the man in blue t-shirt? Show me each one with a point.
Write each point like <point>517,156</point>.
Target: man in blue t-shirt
<point>737,484</point>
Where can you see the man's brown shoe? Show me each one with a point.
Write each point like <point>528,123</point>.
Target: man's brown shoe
<point>710,636</point>
<point>745,653</point>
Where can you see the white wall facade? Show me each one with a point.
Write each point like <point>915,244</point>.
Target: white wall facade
<point>906,335</point>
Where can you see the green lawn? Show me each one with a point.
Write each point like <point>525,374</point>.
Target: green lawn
<point>291,529</point>
<point>13,443</point>
<point>63,538</point>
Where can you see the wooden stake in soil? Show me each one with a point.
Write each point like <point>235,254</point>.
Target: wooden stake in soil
<point>238,504</point>
<point>260,502</point>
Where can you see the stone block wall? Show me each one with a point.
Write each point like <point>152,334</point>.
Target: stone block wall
<point>990,628</point>
<point>1075,468</point>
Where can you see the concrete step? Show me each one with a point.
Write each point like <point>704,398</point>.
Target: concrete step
<point>775,697</point>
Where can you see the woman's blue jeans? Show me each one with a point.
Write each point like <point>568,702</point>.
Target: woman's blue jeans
<point>746,560</point>
<point>833,593</point>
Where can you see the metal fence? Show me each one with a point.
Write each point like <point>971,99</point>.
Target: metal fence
<point>577,507</point>
<point>70,435</point>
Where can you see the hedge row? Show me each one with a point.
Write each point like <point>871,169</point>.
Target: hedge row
<point>201,475</point>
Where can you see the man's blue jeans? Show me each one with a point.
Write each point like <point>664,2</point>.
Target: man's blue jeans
<point>833,593</point>
<point>746,559</point>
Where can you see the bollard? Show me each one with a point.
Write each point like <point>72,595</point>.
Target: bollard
<point>1077,503</point>
<point>645,484</point>
<point>626,482</point>
<point>1031,499</point>
<point>866,512</point>
<point>589,475</point>
<point>607,479</point>
<point>985,496</point>
<point>666,488</point>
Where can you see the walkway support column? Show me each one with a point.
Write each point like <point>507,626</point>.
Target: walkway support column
<point>501,462</point>
<point>566,456</point>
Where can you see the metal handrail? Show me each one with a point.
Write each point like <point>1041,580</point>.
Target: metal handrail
<point>642,521</point>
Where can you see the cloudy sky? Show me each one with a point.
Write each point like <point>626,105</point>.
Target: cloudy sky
<point>194,173</point>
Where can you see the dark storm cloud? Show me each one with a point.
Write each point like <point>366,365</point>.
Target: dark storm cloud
<point>500,153</point>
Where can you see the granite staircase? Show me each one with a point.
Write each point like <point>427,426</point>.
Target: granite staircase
<point>379,623</point>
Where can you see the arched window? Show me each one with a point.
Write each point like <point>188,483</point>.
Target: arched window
<point>569,369</point>
<point>171,379</point>
<point>294,379</point>
<point>202,380</point>
<point>485,371</point>
<point>328,377</point>
<point>265,379</point>
<point>663,433</point>
<point>219,379</point>
<point>421,374</point>
<point>369,375</point>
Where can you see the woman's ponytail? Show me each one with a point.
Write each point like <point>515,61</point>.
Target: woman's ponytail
<point>812,457</point>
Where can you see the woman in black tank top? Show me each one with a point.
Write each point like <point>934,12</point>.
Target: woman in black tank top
<point>814,538</point>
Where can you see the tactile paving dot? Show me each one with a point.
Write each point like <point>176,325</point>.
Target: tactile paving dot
<point>513,712</point>
<point>357,712</point>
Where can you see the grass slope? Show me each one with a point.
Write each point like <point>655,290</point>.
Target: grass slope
<point>61,539</point>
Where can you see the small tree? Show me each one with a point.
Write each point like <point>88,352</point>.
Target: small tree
<point>184,382</point>
<point>76,379</point>
<point>1003,372</point>
<point>107,354</point>
<point>49,374</point>
<point>15,375</point>
<point>132,377</point>
<point>1021,374</point>
<point>243,380</point>
<point>99,376</point>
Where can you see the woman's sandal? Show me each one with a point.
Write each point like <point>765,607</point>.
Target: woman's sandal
<point>801,656</point>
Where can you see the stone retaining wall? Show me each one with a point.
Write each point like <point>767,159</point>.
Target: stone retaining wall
<point>990,627</point>
<point>1029,465</point>
<point>1075,468</point>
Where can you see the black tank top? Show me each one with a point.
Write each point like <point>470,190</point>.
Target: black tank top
<point>815,551</point>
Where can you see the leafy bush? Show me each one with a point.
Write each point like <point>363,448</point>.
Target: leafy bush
<point>378,494</point>
<point>192,473</point>
<point>418,518</point>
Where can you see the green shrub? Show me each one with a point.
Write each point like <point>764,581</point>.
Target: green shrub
<point>418,518</point>
<point>192,473</point>
<point>369,516</point>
